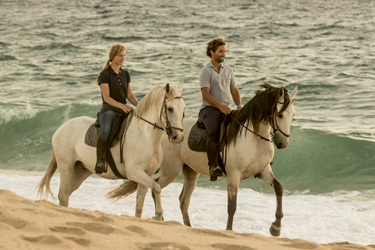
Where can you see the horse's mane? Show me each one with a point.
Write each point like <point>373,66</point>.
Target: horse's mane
<point>261,108</point>
<point>154,97</point>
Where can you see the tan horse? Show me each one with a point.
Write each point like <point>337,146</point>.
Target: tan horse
<point>161,108</point>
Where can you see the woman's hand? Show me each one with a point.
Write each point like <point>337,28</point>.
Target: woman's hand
<point>126,108</point>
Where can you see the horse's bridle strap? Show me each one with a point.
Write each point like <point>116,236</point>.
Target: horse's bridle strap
<point>153,124</point>
<point>261,137</point>
<point>168,128</point>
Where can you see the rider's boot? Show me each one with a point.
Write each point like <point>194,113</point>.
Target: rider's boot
<point>101,150</point>
<point>213,156</point>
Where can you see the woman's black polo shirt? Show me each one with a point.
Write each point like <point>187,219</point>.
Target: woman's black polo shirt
<point>118,83</point>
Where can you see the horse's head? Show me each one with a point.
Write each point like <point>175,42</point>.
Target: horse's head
<point>173,113</point>
<point>283,117</point>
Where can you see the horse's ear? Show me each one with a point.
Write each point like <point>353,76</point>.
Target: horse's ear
<point>280,93</point>
<point>294,93</point>
<point>180,87</point>
<point>168,88</point>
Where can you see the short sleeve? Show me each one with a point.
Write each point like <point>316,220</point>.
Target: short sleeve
<point>128,77</point>
<point>205,78</point>
<point>104,77</point>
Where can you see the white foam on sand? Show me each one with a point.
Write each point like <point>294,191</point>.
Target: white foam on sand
<point>335,217</point>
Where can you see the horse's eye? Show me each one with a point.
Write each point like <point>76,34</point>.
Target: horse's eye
<point>280,116</point>
<point>170,109</point>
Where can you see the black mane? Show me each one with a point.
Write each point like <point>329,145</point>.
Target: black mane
<point>262,107</point>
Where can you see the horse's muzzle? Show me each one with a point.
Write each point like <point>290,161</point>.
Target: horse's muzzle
<point>177,138</point>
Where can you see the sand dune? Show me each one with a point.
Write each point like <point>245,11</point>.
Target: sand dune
<point>27,224</point>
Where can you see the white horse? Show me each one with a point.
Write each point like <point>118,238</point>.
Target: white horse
<point>161,109</point>
<point>249,151</point>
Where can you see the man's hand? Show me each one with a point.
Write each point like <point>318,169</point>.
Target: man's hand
<point>225,110</point>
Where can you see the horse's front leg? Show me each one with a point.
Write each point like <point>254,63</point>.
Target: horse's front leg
<point>145,180</point>
<point>233,183</point>
<point>267,176</point>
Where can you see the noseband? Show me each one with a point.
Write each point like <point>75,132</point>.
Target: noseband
<point>168,128</point>
<point>277,129</point>
<point>275,125</point>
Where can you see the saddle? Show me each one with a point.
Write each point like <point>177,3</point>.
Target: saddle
<point>198,137</point>
<point>117,132</point>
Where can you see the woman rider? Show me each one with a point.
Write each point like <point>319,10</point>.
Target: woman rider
<point>115,88</point>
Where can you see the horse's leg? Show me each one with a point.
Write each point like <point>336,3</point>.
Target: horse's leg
<point>267,176</point>
<point>233,182</point>
<point>142,178</point>
<point>79,176</point>
<point>190,181</point>
<point>141,194</point>
<point>170,170</point>
<point>66,169</point>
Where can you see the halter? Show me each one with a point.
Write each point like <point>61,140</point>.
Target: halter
<point>168,128</point>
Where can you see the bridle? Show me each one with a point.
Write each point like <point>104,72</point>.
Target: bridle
<point>275,128</point>
<point>168,127</point>
<point>275,125</point>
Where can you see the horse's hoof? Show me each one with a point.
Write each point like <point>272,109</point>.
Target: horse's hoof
<point>275,230</point>
<point>158,218</point>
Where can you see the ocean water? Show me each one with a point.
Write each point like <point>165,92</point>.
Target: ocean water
<point>52,51</point>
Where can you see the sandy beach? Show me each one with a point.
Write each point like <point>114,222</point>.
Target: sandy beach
<point>27,224</point>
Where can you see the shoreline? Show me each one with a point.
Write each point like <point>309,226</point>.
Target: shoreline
<point>42,225</point>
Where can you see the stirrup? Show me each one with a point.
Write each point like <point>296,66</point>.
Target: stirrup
<point>100,167</point>
<point>215,171</point>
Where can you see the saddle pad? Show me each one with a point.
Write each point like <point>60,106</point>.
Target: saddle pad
<point>197,138</point>
<point>118,129</point>
<point>92,135</point>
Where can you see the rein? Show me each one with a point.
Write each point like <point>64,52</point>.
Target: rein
<point>274,124</point>
<point>261,137</point>
<point>153,124</point>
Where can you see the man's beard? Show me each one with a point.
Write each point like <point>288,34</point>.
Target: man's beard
<point>219,59</point>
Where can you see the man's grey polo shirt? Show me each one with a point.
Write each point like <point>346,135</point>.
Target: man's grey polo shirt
<point>220,83</point>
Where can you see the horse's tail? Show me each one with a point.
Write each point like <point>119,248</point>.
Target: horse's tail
<point>45,181</point>
<point>126,188</point>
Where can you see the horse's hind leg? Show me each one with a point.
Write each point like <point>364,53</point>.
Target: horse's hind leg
<point>267,176</point>
<point>79,176</point>
<point>141,194</point>
<point>190,181</point>
<point>66,170</point>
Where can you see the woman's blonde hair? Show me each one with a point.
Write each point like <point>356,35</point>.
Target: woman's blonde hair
<point>113,52</point>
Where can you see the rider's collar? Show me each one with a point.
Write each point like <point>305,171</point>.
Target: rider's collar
<point>112,71</point>
<point>211,65</point>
